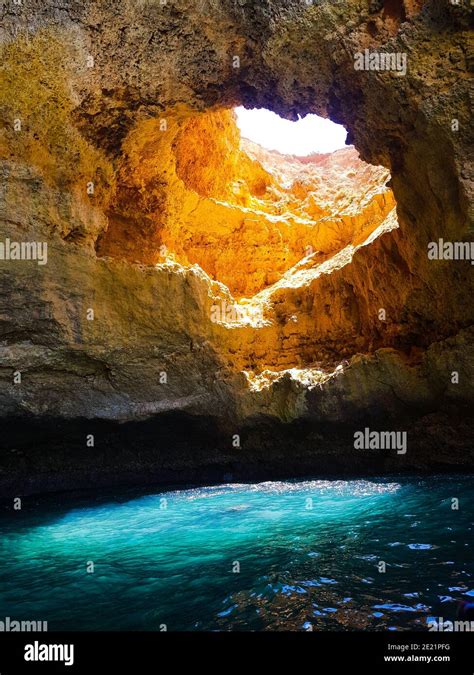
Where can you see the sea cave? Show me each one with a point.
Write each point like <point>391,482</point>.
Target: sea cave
<point>200,309</point>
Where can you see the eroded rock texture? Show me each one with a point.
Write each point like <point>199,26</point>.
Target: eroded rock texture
<point>242,288</point>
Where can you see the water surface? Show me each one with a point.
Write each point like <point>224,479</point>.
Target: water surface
<point>291,555</point>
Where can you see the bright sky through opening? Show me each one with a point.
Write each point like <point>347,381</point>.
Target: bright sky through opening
<point>306,136</point>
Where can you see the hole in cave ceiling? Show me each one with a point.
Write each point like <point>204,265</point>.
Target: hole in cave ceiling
<point>247,215</point>
<point>308,135</point>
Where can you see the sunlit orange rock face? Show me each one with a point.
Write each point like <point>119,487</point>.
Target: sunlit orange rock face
<point>193,191</point>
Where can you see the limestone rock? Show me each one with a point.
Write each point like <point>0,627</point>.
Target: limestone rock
<point>228,282</point>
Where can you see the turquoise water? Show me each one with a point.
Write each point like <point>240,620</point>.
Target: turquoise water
<point>307,552</point>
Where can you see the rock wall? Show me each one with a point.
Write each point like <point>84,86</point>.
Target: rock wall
<point>189,273</point>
